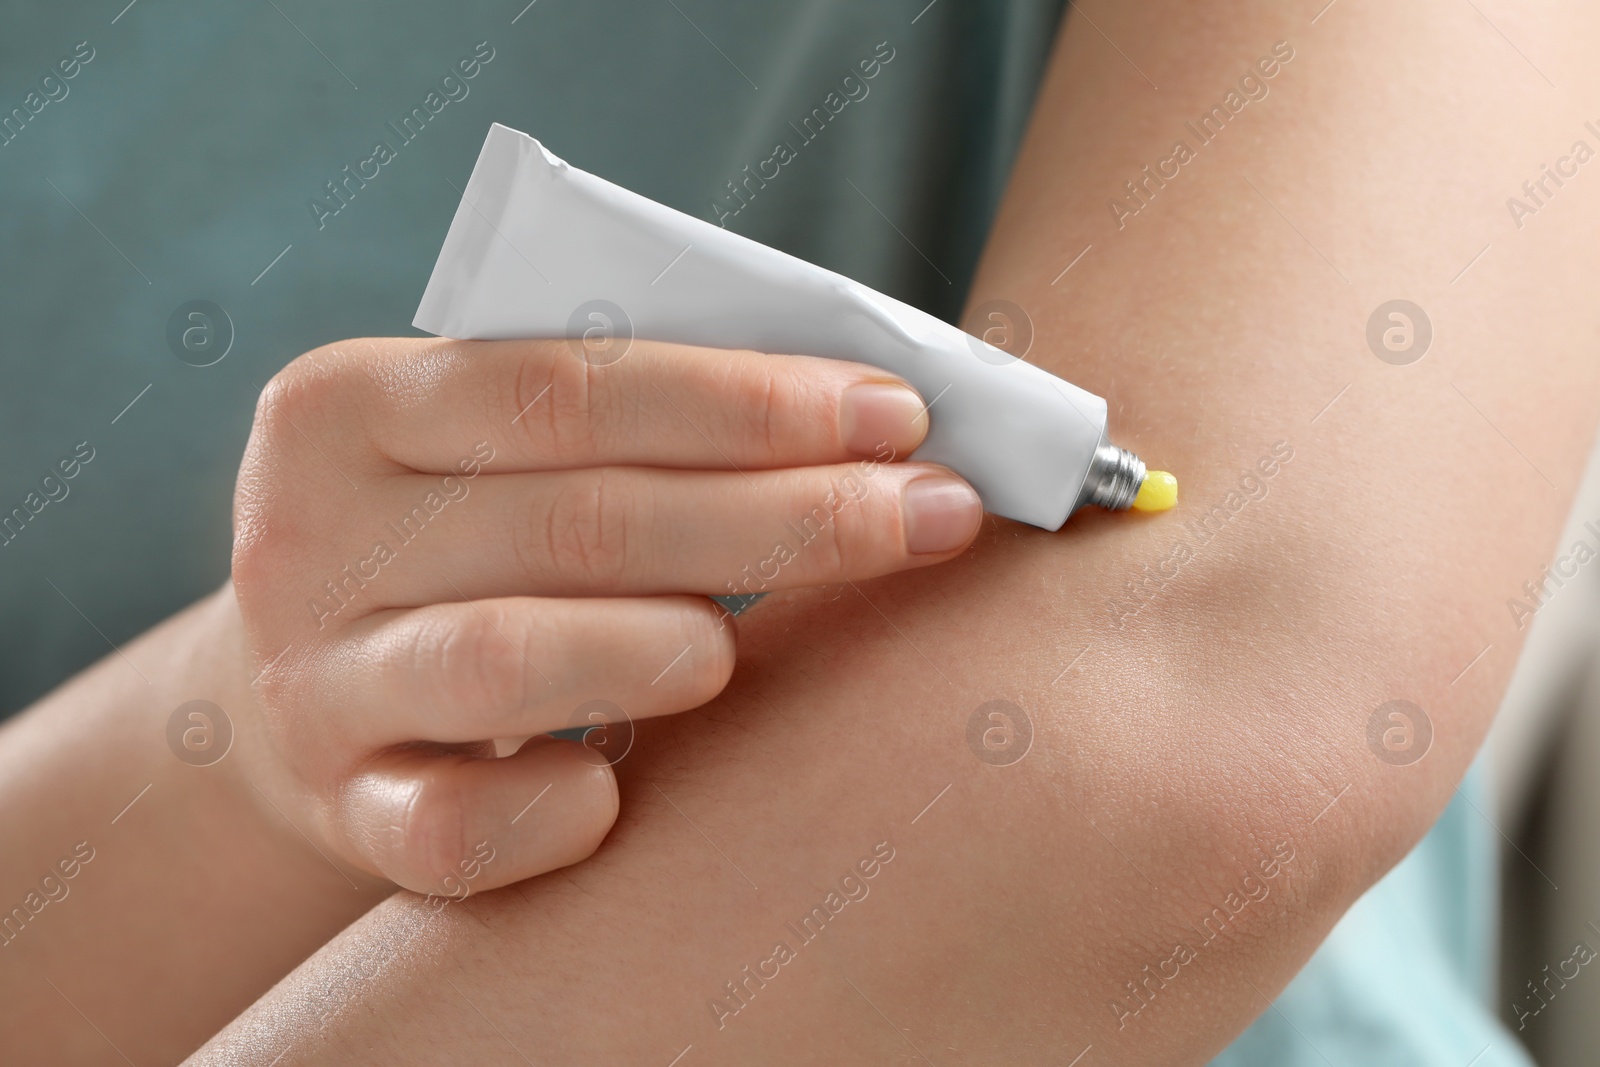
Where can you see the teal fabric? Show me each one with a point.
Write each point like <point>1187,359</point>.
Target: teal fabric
<point>180,161</point>
<point>1406,978</point>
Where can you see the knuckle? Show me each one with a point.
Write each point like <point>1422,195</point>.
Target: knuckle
<point>254,562</point>
<point>822,552</point>
<point>265,539</point>
<point>853,543</point>
<point>475,661</point>
<point>287,691</point>
<point>299,392</point>
<point>265,520</point>
<point>528,397</point>
<point>582,536</point>
<point>432,825</point>
<point>561,404</point>
<point>283,397</point>
<point>860,528</point>
<point>765,404</point>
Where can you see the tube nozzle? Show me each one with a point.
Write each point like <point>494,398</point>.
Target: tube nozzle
<point>1118,480</point>
<point>1114,478</point>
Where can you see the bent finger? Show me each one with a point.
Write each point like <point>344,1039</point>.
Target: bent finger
<point>514,666</point>
<point>451,825</point>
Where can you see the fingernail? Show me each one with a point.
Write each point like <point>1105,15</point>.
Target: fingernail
<point>941,514</point>
<point>875,415</point>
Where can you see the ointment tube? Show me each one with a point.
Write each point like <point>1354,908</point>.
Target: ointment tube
<point>541,249</point>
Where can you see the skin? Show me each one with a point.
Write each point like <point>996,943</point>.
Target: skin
<point>1182,740</point>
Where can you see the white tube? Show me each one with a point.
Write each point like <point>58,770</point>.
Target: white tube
<point>537,244</point>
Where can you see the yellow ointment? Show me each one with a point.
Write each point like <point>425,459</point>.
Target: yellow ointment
<point>1158,493</point>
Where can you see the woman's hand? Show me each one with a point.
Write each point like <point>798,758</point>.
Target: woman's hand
<point>442,543</point>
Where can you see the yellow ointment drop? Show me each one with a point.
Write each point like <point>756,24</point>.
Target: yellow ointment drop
<point>1158,493</point>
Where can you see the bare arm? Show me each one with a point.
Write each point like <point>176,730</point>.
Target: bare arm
<point>1191,731</point>
<point>148,899</point>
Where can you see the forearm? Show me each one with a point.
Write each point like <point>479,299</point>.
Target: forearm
<point>196,895</point>
<point>1184,728</point>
